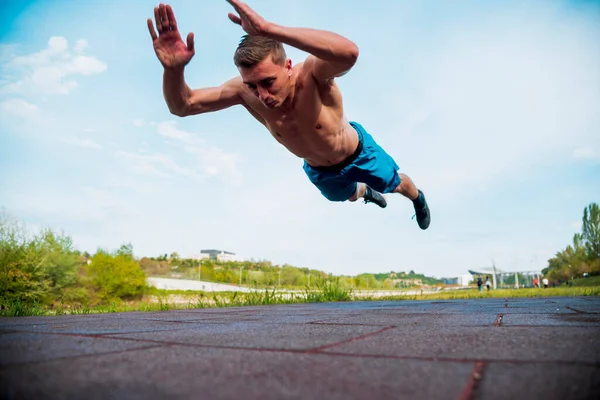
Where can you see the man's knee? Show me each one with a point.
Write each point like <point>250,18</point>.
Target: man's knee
<point>404,183</point>
<point>359,192</point>
<point>335,197</point>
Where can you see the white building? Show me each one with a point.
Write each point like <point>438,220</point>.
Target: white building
<point>220,255</point>
<point>462,280</point>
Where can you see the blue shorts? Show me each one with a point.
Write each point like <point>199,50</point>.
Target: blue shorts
<point>369,164</point>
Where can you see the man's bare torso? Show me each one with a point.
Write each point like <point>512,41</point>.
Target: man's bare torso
<point>314,127</point>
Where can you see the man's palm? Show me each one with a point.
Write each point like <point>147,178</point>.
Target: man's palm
<point>168,45</point>
<point>171,51</point>
<point>248,19</point>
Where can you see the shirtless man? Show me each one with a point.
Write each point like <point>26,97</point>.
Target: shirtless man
<point>301,105</point>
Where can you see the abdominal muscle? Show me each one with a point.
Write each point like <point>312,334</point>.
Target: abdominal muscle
<point>330,145</point>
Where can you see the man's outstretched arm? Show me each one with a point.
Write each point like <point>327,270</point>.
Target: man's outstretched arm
<point>183,101</point>
<point>333,54</point>
<point>174,55</point>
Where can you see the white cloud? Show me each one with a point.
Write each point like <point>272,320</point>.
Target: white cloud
<point>211,159</point>
<point>491,100</point>
<point>140,123</point>
<point>7,51</point>
<point>585,152</point>
<point>18,108</point>
<point>49,71</point>
<point>83,204</point>
<point>81,45</point>
<point>155,164</point>
<point>168,129</point>
<point>85,143</point>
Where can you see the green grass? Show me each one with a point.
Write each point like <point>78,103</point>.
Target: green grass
<point>19,308</point>
<point>329,291</point>
<point>591,281</point>
<point>467,294</point>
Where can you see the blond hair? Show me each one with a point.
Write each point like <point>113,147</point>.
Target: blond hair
<point>253,49</point>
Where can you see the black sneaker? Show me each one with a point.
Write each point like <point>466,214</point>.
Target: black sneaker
<point>422,213</point>
<point>372,196</point>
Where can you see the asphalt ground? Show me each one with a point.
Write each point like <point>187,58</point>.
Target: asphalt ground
<point>534,348</point>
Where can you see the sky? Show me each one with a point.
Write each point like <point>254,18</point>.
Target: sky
<point>492,108</point>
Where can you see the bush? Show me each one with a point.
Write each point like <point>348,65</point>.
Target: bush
<point>36,269</point>
<point>116,275</point>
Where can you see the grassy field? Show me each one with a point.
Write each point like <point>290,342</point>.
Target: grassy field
<point>501,293</point>
<point>591,281</point>
<point>162,300</point>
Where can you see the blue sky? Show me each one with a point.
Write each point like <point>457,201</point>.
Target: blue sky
<point>493,108</point>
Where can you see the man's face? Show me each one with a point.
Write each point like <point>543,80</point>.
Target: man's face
<point>268,81</point>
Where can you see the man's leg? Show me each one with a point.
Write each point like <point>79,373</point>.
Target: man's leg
<point>370,195</point>
<point>408,189</point>
<point>361,189</point>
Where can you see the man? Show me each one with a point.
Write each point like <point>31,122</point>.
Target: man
<point>300,105</point>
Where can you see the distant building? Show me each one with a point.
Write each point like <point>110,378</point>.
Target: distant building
<point>450,281</point>
<point>220,255</point>
<point>459,280</point>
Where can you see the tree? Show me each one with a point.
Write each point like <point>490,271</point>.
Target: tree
<point>116,275</point>
<point>591,230</point>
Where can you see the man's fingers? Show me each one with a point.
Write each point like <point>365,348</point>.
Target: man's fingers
<point>234,18</point>
<point>151,29</point>
<point>190,41</point>
<point>157,18</point>
<point>245,8</point>
<point>164,18</point>
<point>171,16</point>
<point>236,4</point>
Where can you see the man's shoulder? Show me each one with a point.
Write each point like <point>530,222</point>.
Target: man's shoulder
<point>306,69</point>
<point>303,66</point>
<point>234,83</point>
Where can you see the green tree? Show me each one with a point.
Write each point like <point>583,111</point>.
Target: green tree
<point>591,230</point>
<point>116,275</point>
<point>367,281</point>
<point>568,263</point>
<point>41,267</point>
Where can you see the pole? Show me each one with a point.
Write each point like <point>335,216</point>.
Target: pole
<point>494,274</point>
<point>240,275</point>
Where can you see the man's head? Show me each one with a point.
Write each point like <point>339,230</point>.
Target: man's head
<point>264,68</point>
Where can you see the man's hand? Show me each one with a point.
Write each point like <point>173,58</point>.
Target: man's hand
<point>249,20</point>
<point>168,45</point>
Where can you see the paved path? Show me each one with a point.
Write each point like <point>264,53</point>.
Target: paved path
<point>189,284</point>
<point>482,349</point>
